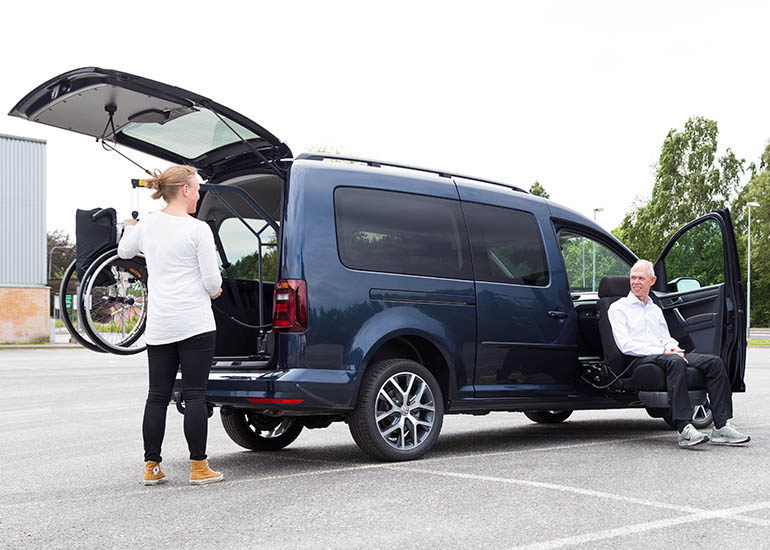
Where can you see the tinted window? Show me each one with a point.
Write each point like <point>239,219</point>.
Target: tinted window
<point>698,254</point>
<point>587,261</point>
<point>401,233</point>
<point>507,245</point>
<point>241,246</point>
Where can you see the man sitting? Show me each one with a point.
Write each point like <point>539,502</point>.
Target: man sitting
<point>640,330</point>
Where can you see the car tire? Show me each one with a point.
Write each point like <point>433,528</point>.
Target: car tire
<point>383,424</point>
<point>259,432</point>
<point>548,417</point>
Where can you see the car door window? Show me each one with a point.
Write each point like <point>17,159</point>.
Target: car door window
<point>587,261</point>
<point>696,259</point>
<point>507,246</point>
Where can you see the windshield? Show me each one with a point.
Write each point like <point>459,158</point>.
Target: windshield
<point>190,135</point>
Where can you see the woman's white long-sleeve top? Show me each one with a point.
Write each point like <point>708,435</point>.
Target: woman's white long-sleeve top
<point>183,274</point>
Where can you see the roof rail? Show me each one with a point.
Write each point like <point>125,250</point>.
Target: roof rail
<point>378,164</point>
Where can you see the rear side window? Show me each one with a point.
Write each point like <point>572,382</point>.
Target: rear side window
<point>507,245</point>
<point>401,233</point>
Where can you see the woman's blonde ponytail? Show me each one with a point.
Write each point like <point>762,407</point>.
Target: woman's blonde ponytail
<point>166,184</point>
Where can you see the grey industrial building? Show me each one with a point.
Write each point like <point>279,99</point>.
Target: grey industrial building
<point>24,296</point>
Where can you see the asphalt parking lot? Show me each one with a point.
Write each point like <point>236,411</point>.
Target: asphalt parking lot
<point>71,460</point>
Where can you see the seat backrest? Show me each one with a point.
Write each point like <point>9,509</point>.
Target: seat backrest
<point>93,237</point>
<point>611,288</point>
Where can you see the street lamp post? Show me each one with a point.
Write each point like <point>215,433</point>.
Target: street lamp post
<point>748,275</point>
<point>50,258</point>
<point>593,279</point>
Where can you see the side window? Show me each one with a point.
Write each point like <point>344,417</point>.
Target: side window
<point>401,233</point>
<point>507,245</point>
<point>587,261</point>
<point>241,246</point>
<point>697,258</point>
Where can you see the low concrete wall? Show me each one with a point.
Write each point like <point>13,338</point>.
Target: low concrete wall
<point>24,314</point>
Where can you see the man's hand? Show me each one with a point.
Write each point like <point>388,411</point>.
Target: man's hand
<point>129,221</point>
<point>678,351</point>
<point>218,294</point>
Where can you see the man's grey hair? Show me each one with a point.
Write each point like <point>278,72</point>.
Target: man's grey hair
<point>647,264</point>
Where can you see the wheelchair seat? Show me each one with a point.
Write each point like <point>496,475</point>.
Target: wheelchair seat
<point>645,378</point>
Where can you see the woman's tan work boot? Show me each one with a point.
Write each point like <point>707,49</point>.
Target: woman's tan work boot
<point>201,474</point>
<point>153,475</point>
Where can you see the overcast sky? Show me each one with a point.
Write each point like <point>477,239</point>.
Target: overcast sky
<point>578,95</point>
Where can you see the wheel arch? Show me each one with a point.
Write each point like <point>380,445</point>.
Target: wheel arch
<point>418,348</point>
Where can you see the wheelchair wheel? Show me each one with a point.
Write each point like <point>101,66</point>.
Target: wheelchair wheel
<point>113,303</point>
<point>70,285</point>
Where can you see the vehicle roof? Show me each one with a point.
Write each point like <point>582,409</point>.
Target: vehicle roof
<point>434,179</point>
<point>383,164</point>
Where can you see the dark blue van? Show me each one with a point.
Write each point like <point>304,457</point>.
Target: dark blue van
<point>387,296</point>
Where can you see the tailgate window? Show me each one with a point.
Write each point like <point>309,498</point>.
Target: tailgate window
<point>189,134</point>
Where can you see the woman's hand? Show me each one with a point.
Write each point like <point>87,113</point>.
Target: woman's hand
<point>129,221</point>
<point>218,294</point>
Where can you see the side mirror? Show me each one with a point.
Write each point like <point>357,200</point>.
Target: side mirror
<point>683,284</point>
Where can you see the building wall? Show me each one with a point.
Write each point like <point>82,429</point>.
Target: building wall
<point>22,212</point>
<point>24,298</point>
<point>24,315</point>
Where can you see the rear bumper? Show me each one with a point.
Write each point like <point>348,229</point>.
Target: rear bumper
<point>300,391</point>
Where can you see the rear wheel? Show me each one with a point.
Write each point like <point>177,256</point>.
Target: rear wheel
<point>113,303</point>
<point>259,432</point>
<point>399,412</point>
<point>548,417</point>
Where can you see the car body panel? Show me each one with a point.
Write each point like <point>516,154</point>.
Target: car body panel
<point>522,348</point>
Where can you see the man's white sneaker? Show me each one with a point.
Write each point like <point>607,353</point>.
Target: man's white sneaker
<point>690,437</point>
<point>727,435</point>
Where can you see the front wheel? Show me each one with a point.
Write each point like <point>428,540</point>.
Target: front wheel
<point>548,417</point>
<point>399,412</point>
<point>113,303</point>
<point>259,432</point>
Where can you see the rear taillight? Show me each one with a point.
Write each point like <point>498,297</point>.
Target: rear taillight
<point>290,306</point>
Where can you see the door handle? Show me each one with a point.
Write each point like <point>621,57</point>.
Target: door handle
<point>558,314</point>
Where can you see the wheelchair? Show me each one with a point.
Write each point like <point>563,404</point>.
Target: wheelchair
<point>109,313</point>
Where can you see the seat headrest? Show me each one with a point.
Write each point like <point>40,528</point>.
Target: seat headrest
<point>614,285</point>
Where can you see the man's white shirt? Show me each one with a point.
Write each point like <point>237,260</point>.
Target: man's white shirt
<point>639,329</point>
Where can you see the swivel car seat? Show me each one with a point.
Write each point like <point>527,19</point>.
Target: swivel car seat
<point>649,381</point>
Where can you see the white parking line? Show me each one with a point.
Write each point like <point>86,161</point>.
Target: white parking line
<point>551,486</point>
<point>694,514</point>
<point>626,530</point>
<point>484,454</point>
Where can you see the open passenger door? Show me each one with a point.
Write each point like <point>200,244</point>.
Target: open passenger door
<point>699,287</point>
<point>161,120</point>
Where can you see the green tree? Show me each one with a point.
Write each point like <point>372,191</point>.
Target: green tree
<point>690,181</point>
<point>539,190</point>
<point>63,255</point>
<point>756,190</point>
<point>247,267</point>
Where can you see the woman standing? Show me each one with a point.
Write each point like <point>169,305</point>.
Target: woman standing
<point>183,278</point>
